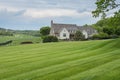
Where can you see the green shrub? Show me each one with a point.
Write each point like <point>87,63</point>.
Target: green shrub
<point>109,30</point>
<point>50,39</point>
<point>117,31</point>
<point>101,36</point>
<point>78,36</point>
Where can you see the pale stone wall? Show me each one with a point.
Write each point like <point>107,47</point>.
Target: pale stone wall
<point>63,33</point>
<point>85,34</point>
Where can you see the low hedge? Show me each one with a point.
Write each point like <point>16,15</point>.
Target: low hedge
<point>5,43</point>
<point>50,39</point>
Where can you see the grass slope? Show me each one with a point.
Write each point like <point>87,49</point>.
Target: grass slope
<point>18,38</point>
<point>88,60</point>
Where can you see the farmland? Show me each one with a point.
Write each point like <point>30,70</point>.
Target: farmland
<point>82,60</point>
<point>18,38</point>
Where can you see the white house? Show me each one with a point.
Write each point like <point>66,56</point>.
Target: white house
<point>65,31</point>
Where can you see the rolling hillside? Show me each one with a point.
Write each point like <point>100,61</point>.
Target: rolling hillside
<point>87,60</point>
<point>18,38</point>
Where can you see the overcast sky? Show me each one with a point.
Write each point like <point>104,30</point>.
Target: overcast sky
<point>33,14</point>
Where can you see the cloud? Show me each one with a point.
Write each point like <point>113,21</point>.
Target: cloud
<point>32,14</point>
<point>54,13</point>
<point>8,8</point>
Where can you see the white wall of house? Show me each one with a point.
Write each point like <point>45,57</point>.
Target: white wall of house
<point>52,32</point>
<point>64,34</point>
<point>85,34</point>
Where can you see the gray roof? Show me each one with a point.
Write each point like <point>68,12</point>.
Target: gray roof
<point>90,30</point>
<point>57,28</point>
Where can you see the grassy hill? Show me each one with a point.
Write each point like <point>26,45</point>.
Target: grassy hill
<point>18,38</point>
<point>87,60</point>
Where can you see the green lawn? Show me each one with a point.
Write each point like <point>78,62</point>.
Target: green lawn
<point>86,60</point>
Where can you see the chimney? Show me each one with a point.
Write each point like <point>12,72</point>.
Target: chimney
<point>51,23</point>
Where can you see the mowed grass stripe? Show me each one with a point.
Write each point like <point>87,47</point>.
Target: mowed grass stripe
<point>40,48</point>
<point>98,73</point>
<point>45,53</point>
<point>57,54</point>
<point>54,64</point>
<point>41,55</point>
<point>38,52</point>
<point>15,49</point>
<point>71,55</point>
<point>60,66</point>
<point>21,55</point>
<point>72,70</point>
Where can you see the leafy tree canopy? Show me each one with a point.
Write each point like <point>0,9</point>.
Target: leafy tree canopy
<point>104,6</point>
<point>111,22</point>
<point>44,31</point>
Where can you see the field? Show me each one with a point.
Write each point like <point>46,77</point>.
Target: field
<point>18,38</point>
<point>86,60</point>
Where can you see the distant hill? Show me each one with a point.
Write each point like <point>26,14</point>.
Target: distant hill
<point>9,32</point>
<point>28,32</point>
<point>6,32</point>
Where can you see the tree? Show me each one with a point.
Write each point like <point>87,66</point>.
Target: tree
<point>109,30</point>
<point>111,25</point>
<point>44,31</point>
<point>117,31</point>
<point>78,36</point>
<point>104,6</point>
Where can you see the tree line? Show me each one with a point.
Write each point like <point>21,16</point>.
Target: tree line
<point>5,32</point>
<point>108,27</point>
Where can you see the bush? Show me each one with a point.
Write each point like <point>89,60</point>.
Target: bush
<point>101,36</point>
<point>50,39</point>
<point>117,31</point>
<point>78,36</point>
<point>109,30</point>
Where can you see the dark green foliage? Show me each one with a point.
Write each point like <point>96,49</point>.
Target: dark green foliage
<point>50,39</point>
<point>117,31</point>
<point>111,22</point>
<point>109,30</point>
<point>111,25</point>
<point>102,23</point>
<point>78,36</point>
<point>5,43</point>
<point>104,6</point>
<point>101,36</point>
<point>44,31</point>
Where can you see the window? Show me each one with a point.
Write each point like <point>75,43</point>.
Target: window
<point>64,35</point>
